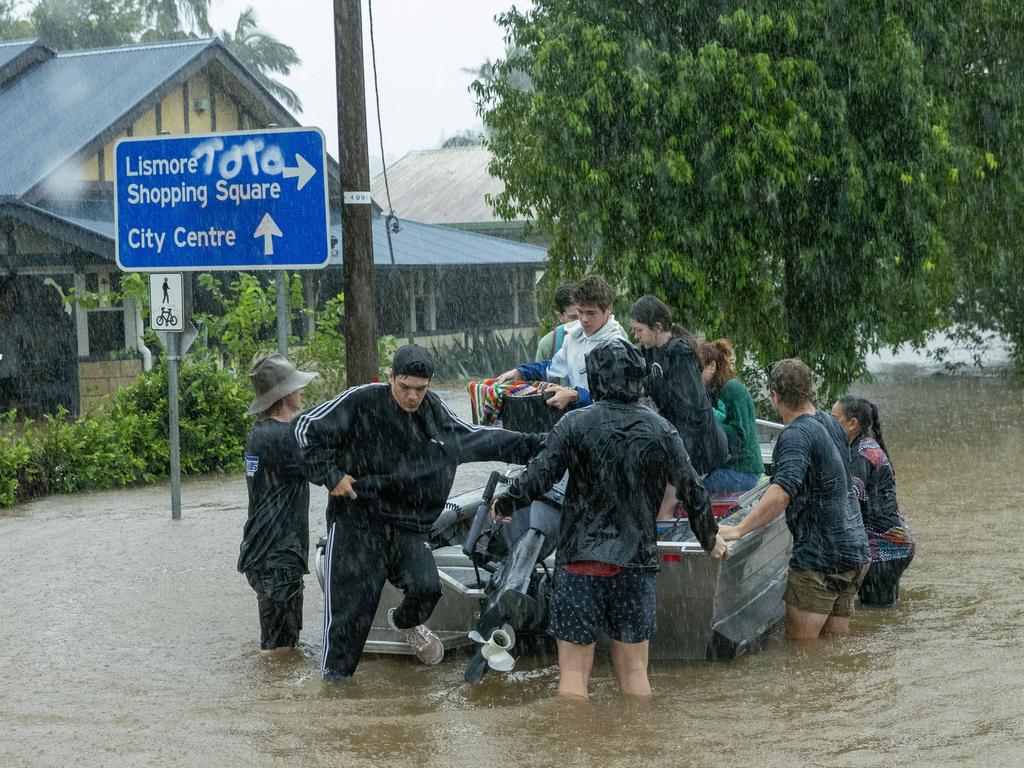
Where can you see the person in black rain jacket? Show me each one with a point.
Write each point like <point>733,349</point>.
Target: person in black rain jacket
<point>275,540</point>
<point>620,456</point>
<point>388,452</point>
<point>675,385</point>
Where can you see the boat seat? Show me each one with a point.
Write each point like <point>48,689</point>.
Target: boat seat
<point>451,557</point>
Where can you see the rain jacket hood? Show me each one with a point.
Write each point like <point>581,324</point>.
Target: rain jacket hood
<point>616,371</point>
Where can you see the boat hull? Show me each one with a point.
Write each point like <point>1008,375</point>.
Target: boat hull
<point>707,609</point>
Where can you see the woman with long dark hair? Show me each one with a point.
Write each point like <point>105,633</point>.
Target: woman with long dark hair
<point>734,408</point>
<point>674,383</point>
<point>892,545</point>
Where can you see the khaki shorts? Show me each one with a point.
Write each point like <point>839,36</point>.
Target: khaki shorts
<point>826,594</point>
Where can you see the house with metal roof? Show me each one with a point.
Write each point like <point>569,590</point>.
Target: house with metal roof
<point>60,116</point>
<point>449,187</point>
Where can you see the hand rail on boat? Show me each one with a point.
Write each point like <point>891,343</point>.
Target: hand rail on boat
<point>773,426</point>
<point>458,586</point>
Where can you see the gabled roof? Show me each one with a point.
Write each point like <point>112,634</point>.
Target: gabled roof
<point>441,186</point>
<point>50,113</point>
<point>95,237</point>
<point>74,103</point>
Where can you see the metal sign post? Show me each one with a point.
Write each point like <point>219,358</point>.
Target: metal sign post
<point>248,200</point>
<point>282,314</point>
<point>170,308</point>
<point>173,356</point>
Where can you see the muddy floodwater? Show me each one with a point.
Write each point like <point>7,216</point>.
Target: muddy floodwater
<point>130,640</point>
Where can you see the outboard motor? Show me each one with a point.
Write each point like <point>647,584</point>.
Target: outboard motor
<point>475,547</point>
<point>516,593</point>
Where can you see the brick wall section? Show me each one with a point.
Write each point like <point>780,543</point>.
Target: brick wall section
<point>98,379</point>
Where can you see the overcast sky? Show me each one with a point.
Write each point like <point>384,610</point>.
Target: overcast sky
<point>421,46</point>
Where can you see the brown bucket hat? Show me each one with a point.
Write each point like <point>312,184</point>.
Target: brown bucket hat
<point>273,377</point>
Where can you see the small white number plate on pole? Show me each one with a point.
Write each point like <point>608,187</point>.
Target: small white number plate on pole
<point>357,198</point>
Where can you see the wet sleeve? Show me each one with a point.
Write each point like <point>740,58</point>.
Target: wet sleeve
<point>730,419</point>
<point>690,490</point>
<point>792,458</point>
<point>319,433</point>
<point>477,443</point>
<point>534,371</point>
<point>860,468</point>
<point>878,503</point>
<point>544,470</point>
<point>584,397</point>
<point>294,462</point>
<point>722,415</point>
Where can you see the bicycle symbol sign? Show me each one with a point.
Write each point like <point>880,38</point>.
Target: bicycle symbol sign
<point>165,302</point>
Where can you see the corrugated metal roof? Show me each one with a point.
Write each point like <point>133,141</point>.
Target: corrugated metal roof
<point>422,245</point>
<point>441,186</point>
<point>89,216</point>
<point>416,245</point>
<point>52,111</point>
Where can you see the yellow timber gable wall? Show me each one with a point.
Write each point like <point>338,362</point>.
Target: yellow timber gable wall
<point>200,105</point>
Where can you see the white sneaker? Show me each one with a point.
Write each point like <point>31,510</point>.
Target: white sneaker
<point>425,644</point>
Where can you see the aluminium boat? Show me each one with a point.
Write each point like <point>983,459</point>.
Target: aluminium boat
<point>707,609</point>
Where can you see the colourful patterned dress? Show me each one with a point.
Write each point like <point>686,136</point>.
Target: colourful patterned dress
<point>889,536</point>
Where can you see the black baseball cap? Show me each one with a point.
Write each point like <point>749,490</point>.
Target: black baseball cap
<point>413,360</point>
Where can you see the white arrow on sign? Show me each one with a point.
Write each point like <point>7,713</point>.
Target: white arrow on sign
<point>268,230</point>
<point>303,170</point>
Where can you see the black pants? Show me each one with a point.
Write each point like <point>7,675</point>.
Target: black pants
<point>357,562</point>
<point>882,584</point>
<point>279,597</point>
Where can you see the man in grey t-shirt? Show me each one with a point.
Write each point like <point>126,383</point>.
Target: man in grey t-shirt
<point>813,485</point>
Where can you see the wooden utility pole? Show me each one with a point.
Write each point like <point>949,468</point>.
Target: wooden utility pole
<point>356,226</point>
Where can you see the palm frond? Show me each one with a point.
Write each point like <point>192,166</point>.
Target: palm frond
<point>262,54</point>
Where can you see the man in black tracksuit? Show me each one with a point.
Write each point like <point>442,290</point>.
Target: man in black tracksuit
<point>388,452</point>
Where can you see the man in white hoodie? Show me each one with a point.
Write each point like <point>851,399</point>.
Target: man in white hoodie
<point>596,324</point>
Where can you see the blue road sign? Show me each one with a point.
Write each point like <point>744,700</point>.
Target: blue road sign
<point>244,200</point>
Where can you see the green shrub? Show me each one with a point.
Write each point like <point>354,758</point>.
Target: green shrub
<point>490,357</point>
<point>14,455</point>
<point>129,445</point>
<point>211,409</point>
<point>324,352</point>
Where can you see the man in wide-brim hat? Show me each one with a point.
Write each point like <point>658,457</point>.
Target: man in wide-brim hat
<point>275,540</point>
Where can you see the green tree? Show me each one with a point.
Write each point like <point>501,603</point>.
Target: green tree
<point>12,26</point>
<point>264,55</point>
<point>466,138</point>
<point>172,19</point>
<point>73,24</point>
<point>776,170</point>
<point>245,319</point>
<point>974,63</point>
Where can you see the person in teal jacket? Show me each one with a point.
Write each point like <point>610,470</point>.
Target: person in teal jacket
<point>735,411</point>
